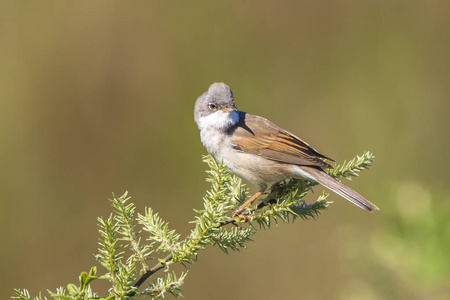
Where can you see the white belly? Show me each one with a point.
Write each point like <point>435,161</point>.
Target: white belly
<point>258,170</point>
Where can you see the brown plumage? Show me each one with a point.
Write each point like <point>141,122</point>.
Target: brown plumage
<point>260,151</point>
<point>259,136</point>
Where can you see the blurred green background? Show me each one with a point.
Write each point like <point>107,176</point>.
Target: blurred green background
<point>97,97</point>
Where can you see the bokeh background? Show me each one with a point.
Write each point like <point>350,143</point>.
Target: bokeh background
<point>97,97</point>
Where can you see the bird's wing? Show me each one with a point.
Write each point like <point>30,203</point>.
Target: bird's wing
<point>259,136</point>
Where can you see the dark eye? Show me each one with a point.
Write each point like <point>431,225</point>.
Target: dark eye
<point>212,106</point>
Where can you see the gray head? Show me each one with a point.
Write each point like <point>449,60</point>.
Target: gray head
<point>216,107</point>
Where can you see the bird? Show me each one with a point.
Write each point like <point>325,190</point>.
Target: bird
<point>259,151</point>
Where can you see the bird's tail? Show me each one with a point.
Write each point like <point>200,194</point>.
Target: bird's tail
<point>340,189</point>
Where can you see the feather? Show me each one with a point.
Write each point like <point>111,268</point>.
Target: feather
<point>259,136</point>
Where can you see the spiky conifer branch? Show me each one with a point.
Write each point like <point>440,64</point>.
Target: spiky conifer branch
<point>121,246</point>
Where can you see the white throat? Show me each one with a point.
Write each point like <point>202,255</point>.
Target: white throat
<point>219,120</point>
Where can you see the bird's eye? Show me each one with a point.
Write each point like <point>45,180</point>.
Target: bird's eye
<point>212,106</point>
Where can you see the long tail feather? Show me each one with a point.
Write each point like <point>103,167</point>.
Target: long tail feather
<point>340,189</point>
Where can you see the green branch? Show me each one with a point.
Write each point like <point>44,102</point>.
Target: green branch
<point>126,258</point>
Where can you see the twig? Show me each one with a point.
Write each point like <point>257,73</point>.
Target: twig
<point>162,263</point>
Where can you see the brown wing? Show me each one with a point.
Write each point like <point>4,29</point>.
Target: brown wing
<point>259,136</point>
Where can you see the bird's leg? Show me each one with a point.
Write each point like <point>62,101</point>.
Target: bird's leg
<point>275,189</point>
<point>248,202</point>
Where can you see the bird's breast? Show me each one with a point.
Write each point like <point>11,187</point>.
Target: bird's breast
<point>258,170</point>
<point>213,140</point>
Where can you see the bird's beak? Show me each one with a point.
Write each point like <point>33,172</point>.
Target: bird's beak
<point>229,109</point>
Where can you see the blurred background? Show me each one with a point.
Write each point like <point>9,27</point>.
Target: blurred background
<point>97,97</point>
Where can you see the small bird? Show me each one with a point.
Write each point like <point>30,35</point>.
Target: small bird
<point>259,151</point>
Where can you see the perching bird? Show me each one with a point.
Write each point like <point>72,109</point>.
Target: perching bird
<point>254,148</point>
